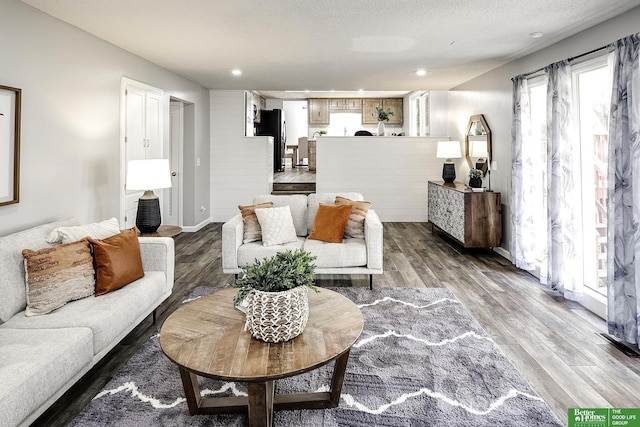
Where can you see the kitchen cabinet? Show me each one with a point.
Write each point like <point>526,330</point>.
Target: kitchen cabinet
<point>318,111</point>
<point>369,116</point>
<point>474,219</point>
<point>395,105</point>
<point>337,104</point>
<point>345,104</point>
<point>353,104</point>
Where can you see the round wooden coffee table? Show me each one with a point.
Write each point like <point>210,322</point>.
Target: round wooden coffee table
<point>206,337</point>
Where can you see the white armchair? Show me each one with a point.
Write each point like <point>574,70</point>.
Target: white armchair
<point>352,256</point>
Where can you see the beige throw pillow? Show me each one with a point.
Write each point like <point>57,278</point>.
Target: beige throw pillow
<point>57,275</point>
<point>252,230</point>
<point>355,225</point>
<point>97,230</point>
<point>277,225</point>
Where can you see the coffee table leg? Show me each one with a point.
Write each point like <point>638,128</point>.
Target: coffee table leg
<point>191,390</point>
<point>338,377</point>
<point>261,404</point>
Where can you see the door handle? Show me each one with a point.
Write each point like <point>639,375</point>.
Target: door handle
<point>173,174</point>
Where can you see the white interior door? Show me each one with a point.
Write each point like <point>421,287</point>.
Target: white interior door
<point>173,196</point>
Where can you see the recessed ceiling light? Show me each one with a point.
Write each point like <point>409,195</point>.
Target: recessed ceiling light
<point>421,72</point>
<point>536,35</point>
<point>236,72</point>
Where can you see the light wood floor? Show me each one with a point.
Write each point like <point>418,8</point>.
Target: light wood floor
<point>298,174</point>
<point>554,342</point>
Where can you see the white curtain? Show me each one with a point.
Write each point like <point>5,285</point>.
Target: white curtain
<point>525,171</point>
<point>564,265</point>
<point>623,237</point>
<point>560,258</point>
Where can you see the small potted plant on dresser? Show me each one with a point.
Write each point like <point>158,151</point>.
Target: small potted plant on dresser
<point>273,295</point>
<point>475,178</point>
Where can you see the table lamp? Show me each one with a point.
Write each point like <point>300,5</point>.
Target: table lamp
<point>148,175</point>
<point>479,149</point>
<point>448,150</point>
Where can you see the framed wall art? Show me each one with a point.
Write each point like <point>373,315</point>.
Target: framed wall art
<point>10,103</point>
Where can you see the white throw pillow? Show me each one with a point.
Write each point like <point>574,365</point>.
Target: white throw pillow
<point>277,226</point>
<point>99,230</point>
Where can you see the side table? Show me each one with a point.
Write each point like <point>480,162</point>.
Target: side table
<point>164,231</point>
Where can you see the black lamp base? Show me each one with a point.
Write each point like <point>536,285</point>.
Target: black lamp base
<point>148,217</point>
<point>448,172</point>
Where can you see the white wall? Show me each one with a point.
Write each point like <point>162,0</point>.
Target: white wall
<point>241,167</point>
<point>70,150</point>
<point>490,94</point>
<point>390,172</point>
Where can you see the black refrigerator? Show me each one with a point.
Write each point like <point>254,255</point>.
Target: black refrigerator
<point>272,123</point>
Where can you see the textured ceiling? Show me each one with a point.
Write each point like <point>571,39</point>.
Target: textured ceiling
<point>322,45</point>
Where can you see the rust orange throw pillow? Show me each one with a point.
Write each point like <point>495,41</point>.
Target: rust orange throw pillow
<point>117,261</point>
<point>329,223</point>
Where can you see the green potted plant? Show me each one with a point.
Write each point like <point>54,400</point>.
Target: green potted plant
<point>475,178</point>
<point>273,289</point>
<point>383,116</point>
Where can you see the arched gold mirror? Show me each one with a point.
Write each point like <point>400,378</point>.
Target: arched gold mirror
<point>478,143</point>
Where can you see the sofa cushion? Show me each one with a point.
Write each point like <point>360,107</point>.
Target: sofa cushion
<point>13,297</point>
<point>107,316</point>
<point>297,204</point>
<point>355,225</point>
<point>117,261</point>
<point>96,230</point>
<point>277,226</point>
<point>349,253</point>
<point>330,222</point>
<point>313,200</point>
<point>58,275</point>
<point>35,364</point>
<point>252,230</point>
<point>249,252</point>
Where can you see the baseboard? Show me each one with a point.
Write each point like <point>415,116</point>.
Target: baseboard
<point>503,252</point>
<point>197,227</point>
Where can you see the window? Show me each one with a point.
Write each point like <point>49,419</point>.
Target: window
<point>591,100</point>
<point>592,89</point>
<point>538,153</point>
<point>419,108</point>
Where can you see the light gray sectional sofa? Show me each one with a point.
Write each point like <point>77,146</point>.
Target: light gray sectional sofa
<point>352,256</point>
<point>42,356</point>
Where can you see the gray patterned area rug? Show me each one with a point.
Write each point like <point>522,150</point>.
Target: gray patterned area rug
<point>422,360</point>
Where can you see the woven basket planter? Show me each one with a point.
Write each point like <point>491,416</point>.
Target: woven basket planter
<point>277,316</point>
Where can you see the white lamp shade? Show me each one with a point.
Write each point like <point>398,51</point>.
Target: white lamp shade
<point>148,174</point>
<point>479,148</point>
<point>448,150</point>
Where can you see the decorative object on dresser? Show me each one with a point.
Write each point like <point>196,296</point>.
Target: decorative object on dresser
<point>448,150</point>
<point>474,219</point>
<point>273,295</point>
<point>148,175</point>
<point>478,143</point>
<point>475,178</point>
<point>383,116</point>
